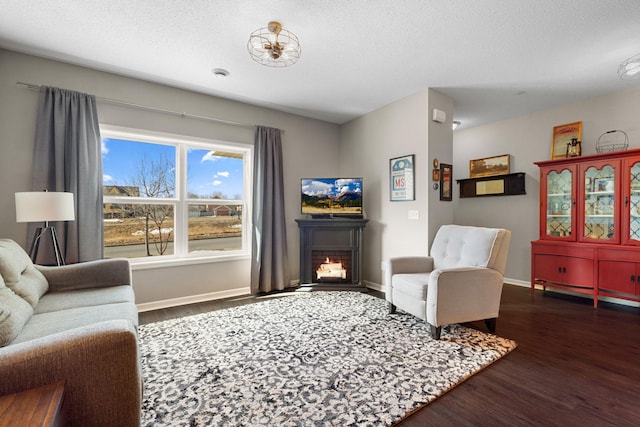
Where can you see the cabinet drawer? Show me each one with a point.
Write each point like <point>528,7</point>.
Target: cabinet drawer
<point>618,276</point>
<point>564,269</point>
<point>567,249</point>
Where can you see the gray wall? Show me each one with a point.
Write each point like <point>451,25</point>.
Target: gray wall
<point>310,149</point>
<point>367,144</point>
<point>361,147</point>
<point>527,139</point>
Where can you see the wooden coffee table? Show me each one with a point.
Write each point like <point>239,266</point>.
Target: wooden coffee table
<point>40,406</point>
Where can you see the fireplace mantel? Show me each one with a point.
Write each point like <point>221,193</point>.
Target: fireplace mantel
<point>342,235</point>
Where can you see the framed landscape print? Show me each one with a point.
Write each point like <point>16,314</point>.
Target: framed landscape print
<point>401,178</point>
<point>489,166</point>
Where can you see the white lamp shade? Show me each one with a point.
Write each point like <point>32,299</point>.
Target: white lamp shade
<point>40,206</point>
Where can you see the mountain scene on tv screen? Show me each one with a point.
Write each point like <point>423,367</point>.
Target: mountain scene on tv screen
<point>332,196</point>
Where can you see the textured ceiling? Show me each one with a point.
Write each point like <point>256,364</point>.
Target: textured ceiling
<point>495,58</point>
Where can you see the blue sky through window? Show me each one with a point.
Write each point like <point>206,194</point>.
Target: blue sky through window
<point>208,175</point>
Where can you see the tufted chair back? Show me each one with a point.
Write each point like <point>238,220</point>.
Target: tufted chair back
<point>465,246</point>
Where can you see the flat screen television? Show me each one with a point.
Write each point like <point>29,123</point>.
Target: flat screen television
<point>331,197</point>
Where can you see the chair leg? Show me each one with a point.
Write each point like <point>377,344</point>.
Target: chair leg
<point>491,324</point>
<point>435,331</point>
<point>391,308</point>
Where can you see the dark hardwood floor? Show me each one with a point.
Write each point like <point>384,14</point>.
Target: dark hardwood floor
<point>574,365</point>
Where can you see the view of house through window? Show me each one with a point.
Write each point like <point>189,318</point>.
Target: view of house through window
<point>164,196</point>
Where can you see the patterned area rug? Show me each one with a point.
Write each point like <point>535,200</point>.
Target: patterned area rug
<point>305,359</point>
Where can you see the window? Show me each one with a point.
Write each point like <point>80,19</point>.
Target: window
<point>173,197</point>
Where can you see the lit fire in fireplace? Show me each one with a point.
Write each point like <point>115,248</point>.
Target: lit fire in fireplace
<point>331,270</point>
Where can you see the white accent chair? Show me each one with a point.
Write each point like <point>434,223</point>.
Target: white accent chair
<point>460,282</point>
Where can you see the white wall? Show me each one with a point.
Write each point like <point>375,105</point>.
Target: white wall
<point>367,144</point>
<point>310,148</point>
<point>527,139</point>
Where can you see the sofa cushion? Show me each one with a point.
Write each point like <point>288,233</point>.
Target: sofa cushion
<point>55,322</point>
<point>414,284</point>
<point>56,301</point>
<point>19,273</point>
<point>14,313</point>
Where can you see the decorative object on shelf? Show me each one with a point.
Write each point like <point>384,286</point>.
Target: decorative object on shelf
<point>489,166</point>
<point>574,148</point>
<point>45,206</point>
<point>630,69</point>
<point>274,46</point>
<point>446,173</point>
<point>401,178</point>
<point>562,135</point>
<point>612,140</point>
<point>502,185</point>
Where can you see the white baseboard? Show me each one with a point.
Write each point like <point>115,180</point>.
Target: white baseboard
<point>191,299</point>
<point>374,286</point>
<point>156,305</point>
<point>575,294</point>
<point>517,282</point>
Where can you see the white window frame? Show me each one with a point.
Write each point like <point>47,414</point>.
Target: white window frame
<point>181,255</point>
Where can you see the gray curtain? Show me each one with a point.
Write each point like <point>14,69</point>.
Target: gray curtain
<point>68,157</point>
<point>269,263</point>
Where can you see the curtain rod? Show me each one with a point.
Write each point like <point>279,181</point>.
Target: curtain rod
<point>157,110</point>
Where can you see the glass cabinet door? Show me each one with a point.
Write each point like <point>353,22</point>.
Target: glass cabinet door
<point>559,213</point>
<point>599,203</point>
<point>632,202</point>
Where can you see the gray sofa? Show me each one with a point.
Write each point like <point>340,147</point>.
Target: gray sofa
<point>74,323</point>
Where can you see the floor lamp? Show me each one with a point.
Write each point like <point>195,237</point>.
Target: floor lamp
<point>45,206</point>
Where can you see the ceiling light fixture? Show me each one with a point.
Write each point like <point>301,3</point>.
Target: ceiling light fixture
<point>630,69</point>
<point>274,46</point>
<point>455,124</point>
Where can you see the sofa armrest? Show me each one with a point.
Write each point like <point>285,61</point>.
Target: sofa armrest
<point>100,365</point>
<point>406,265</point>
<point>416,264</point>
<point>463,294</point>
<point>90,274</point>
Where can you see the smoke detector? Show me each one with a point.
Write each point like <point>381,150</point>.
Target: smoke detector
<point>220,73</point>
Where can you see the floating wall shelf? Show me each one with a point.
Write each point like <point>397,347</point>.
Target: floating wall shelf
<point>499,185</point>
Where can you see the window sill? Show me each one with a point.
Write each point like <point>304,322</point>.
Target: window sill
<point>164,262</point>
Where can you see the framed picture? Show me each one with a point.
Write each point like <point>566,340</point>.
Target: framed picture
<point>489,166</point>
<point>446,173</point>
<point>401,174</point>
<point>562,135</point>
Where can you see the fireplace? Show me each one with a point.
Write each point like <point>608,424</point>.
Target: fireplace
<point>331,254</point>
<point>331,266</point>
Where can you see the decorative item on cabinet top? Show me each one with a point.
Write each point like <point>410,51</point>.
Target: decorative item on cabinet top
<point>562,139</point>
<point>612,140</point>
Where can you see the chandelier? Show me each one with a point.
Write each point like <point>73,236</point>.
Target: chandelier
<point>274,46</point>
<point>630,69</point>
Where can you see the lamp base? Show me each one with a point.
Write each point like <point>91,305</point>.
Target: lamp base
<point>35,244</point>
